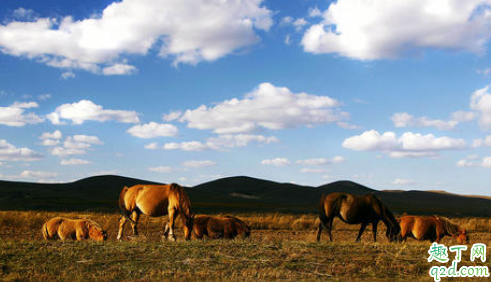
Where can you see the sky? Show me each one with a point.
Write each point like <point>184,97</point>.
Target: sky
<point>394,95</point>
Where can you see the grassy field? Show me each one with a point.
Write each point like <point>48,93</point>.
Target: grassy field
<point>281,247</point>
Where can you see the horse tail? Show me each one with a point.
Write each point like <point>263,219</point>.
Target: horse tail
<point>45,231</point>
<point>124,212</point>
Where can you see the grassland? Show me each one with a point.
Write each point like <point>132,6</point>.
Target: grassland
<point>281,247</point>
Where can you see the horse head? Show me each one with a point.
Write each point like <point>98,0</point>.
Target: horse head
<point>188,226</point>
<point>393,233</point>
<point>95,232</point>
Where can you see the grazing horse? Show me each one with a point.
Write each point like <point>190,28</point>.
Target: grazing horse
<point>353,209</point>
<point>214,227</point>
<point>79,229</point>
<point>155,201</point>
<point>432,228</point>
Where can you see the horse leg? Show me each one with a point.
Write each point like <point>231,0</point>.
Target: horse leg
<point>122,222</point>
<point>374,229</point>
<point>362,228</point>
<point>134,216</point>
<point>319,232</point>
<point>173,213</point>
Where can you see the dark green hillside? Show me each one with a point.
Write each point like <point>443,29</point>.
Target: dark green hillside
<point>233,194</point>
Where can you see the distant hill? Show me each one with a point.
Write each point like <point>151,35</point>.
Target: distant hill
<point>232,194</point>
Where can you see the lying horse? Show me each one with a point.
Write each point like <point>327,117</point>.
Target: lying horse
<point>226,227</point>
<point>79,229</point>
<point>432,228</point>
<point>155,201</point>
<point>354,209</point>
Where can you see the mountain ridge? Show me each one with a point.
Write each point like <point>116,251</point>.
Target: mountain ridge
<point>232,194</point>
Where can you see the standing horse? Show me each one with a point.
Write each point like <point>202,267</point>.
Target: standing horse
<point>354,209</point>
<point>155,201</point>
<point>432,228</point>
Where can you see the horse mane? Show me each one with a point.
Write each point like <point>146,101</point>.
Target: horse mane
<point>387,214</point>
<point>449,227</point>
<point>184,204</point>
<point>93,224</point>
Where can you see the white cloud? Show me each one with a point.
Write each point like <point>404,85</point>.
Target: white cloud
<point>267,106</point>
<point>67,74</point>
<point>152,146</point>
<point>287,39</point>
<point>51,139</point>
<point>38,174</point>
<point>119,69</point>
<point>85,110</point>
<point>408,145</point>
<point>152,130</point>
<point>404,182</point>
<point>186,146</point>
<point>197,164</point>
<point>389,29</point>
<point>188,31</point>
<point>473,161</point>
<point>220,142</point>
<point>173,115</point>
<point>463,116</point>
<point>481,102</point>
<point>9,152</point>
<point>75,145</point>
<point>74,161</point>
<point>314,12</point>
<point>163,169</point>
<point>407,120</point>
<point>322,161</point>
<point>482,142</point>
<point>24,14</point>
<point>299,23</point>
<point>238,140</point>
<point>276,162</point>
<point>312,170</point>
<point>14,115</point>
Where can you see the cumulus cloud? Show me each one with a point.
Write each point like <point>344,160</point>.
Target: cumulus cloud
<point>408,145</point>
<point>119,69</point>
<point>38,174</point>
<point>76,145</point>
<point>152,130</point>
<point>481,102</point>
<point>74,161</point>
<point>51,139</point>
<point>322,161</point>
<point>67,75</point>
<point>152,146</point>
<point>268,107</point>
<point>474,161</point>
<point>187,31</point>
<point>407,120</point>
<point>389,29</point>
<point>402,181</point>
<point>276,162</point>
<point>163,169</point>
<point>220,142</point>
<point>15,114</point>
<point>197,164</point>
<point>9,152</point>
<point>85,110</point>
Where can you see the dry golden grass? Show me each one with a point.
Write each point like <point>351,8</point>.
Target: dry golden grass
<point>281,247</point>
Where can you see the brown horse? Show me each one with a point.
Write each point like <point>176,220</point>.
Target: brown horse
<point>432,228</point>
<point>214,227</point>
<point>354,209</point>
<point>155,201</point>
<point>79,229</point>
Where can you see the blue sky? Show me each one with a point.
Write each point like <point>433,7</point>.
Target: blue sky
<point>391,94</point>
